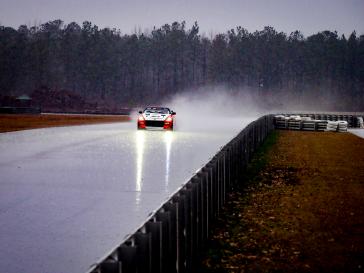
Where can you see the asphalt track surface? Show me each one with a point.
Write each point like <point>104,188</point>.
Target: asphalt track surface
<point>358,132</point>
<point>69,195</point>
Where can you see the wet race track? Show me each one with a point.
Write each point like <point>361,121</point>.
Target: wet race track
<point>69,195</point>
<point>358,132</point>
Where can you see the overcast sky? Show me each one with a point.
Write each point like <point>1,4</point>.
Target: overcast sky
<point>213,16</point>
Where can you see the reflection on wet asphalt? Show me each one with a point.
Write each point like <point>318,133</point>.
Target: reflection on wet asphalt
<point>70,195</point>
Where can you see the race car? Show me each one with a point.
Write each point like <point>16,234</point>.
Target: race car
<point>156,117</point>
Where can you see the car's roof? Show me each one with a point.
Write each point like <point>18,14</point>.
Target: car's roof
<point>157,109</point>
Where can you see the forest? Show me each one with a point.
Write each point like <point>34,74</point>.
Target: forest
<point>104,66</point>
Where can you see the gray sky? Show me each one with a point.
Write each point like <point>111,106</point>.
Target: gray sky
<point>213,16</point>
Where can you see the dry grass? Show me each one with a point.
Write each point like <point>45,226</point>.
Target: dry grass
<point>304,212</point>
<point>23,122</point>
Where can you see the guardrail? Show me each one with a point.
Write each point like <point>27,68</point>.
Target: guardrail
<point>171,237</point>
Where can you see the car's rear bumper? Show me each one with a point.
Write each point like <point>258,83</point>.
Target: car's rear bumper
<point>155,124</point>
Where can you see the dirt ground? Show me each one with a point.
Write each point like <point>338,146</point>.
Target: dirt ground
<point>23,122</point>
<point>301,209</point>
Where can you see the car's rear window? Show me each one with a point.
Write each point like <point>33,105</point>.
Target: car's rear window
<point>156,110</point>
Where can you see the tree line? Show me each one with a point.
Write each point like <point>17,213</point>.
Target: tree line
<point>129,69</point>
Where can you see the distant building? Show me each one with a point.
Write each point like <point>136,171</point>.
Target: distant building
<point>18,105</point>
<point>23,101</point>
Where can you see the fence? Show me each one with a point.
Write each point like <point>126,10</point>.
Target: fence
<point>170,239</point>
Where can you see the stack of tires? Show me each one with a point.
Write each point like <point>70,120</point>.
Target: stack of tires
<point>360,122</point>
<point>342,126</point>
<point>332,126</point>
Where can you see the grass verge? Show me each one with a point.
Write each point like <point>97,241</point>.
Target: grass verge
<point>12,122</point>
<point>300,209</point>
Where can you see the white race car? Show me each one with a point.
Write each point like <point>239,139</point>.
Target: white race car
<point>154,117</point>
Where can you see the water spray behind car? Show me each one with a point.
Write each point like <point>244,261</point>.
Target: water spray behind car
<point>213,110</point>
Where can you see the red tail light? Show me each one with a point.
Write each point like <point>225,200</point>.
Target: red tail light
<point>168,123</point>
<point>141,122</point>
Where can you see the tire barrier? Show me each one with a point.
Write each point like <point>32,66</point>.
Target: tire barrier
<point>337,126</point>
<point>170,239</point>
<point>360,122</point>
<point>318,122</point>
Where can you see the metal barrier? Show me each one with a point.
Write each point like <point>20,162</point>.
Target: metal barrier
<point>170,239</point>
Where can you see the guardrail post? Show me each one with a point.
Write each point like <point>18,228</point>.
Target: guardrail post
<point>155,228</point>
<point>238,160</point>
<point>231,162</point>
<point>250,141</point>
<point>235,161</point>
<point>246,150</point>
<point>207,175</point>
<point>198,180</point>
<point>255,126</point>
<point>223,177</point>
<point>217,185</point>
<point>110,266</point>
<point>172,209</point>
<point>187,228</point>
<point>127,254</point>
<point>204,206</point>
<point>227,167</point>
<point>180,201</point>
<point>144,242</point>
<point>164,218</point>
<point>215,189</point>
<point>211,192</point>
<point>192,187</point>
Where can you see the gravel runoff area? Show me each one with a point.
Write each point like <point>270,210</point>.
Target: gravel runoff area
<point>15,122</point>
<point>300,208</point>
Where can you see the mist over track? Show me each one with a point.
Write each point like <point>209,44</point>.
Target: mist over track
<point>69,195</point>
